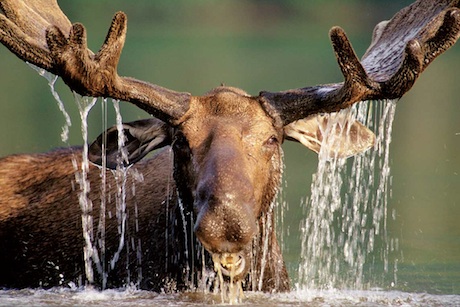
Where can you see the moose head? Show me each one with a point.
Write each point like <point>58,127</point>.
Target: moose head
<point>227,143</point>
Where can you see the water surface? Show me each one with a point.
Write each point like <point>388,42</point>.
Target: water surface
<point>132,297</point>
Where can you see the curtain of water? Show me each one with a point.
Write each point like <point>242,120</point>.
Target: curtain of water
<point>84,106</point>
<point>346,214</point>
<point>94,249</point>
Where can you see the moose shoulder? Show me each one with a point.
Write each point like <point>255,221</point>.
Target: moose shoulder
<point>213,186</point>
<point>41,225</point>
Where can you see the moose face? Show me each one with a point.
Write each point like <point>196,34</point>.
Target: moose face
<point>227,155</point>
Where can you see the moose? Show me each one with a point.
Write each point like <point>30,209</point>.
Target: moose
<point>206,195</point>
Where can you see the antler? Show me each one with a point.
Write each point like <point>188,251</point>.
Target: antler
<point>38,32</point>
<point>400,51</point>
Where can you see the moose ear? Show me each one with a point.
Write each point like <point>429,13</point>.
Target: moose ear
<point>343,137</point>
<point>141,137</point>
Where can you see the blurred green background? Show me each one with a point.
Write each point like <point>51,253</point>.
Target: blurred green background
<point>272,45</point>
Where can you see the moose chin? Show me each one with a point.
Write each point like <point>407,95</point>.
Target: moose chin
<point>205,199</point>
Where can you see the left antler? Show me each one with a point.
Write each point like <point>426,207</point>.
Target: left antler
<point>37,31</point>
<point>400,51</point>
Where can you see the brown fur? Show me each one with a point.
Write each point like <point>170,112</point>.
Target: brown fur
<point>40,226</point>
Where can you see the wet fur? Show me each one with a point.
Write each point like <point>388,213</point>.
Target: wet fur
<point>41,233</point>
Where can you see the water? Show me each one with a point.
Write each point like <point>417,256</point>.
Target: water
<point>121,174</point>
<point>103,205</point>
<point>84,104</point>
<point>94,250</point>
<point>134,297</point>
<point>346,213</point>
<point>90,251</point>
<point>51,82</point>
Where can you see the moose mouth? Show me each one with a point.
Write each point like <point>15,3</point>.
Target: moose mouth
<point>229,264</point>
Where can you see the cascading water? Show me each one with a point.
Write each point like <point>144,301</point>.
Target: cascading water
<point>94,249</point>
<point>346,213</point>
<point>121,176</point>
<point>102,215</point>
<point>51,82</point>
<point>90,250</point>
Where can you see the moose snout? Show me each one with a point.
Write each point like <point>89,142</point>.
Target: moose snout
<point>226,222</point>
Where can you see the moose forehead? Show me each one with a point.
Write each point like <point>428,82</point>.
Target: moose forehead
<point>227,111</point>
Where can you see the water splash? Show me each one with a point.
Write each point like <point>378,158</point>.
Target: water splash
<point>141,298</point>
<point>347,209</point>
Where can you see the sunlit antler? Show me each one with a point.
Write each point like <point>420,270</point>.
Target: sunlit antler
<point>38,32</point>
<point>401,49</point>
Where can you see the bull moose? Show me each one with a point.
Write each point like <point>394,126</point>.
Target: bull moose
<point>207,194</point>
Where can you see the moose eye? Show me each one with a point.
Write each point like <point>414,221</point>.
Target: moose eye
<point>273,140</point>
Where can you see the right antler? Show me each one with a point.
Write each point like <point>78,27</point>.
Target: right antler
<point>400,51</point>
<point>38,32</point>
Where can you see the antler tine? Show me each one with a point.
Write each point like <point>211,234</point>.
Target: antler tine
<point>401,50</point>
<point>51,42</point>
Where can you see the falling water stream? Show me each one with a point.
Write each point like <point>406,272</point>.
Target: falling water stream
<point>94,249</point>
<point>51,82</point>
<point>346,213</point>
<point>90,250</point>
